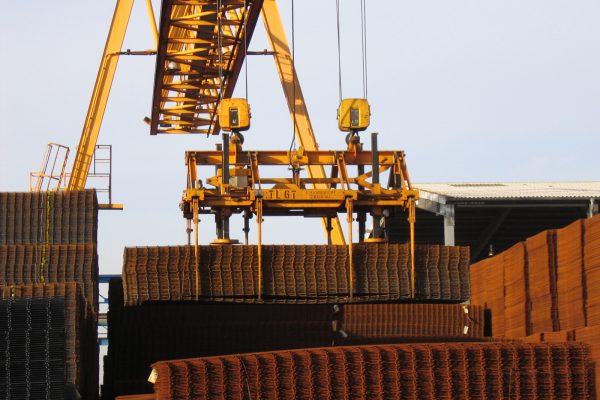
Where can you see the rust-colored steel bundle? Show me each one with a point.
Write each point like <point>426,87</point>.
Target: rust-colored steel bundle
<point>32,351</point>
<point>143,334</point>
<point>48,217</point>
<point>303,274</point>
<point>392,322</point>
<point>591,253</point>
<point>541,267</point>
<point>516,300</point>
<point>560,271</point>
<point>48,249</point>
<point>32,263</point>
<point>80,342</point>
<point>570,276</point>
<point>417,371</point>
<point>487,289</point>
<point>591,336</point>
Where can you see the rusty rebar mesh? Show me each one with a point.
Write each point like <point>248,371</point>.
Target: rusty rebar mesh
<point>487,286</point>
<point>516,301</point>
<point>389,322</point>
<point>591,336</point>
<point>70,216</point>
<point>143,334</point>
<point>304,274</point>
<point>591,253</point>
<point>570,276</point>
<point>140,335</point>
<point>32,349</point>
<point>424,371</point>
<point>80,335</point>
<point>541,266</point>
<point>22,265</point>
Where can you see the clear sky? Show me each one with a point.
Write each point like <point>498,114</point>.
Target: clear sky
<point>495,90</point>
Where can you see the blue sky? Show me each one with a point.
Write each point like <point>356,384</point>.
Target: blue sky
<point>491,90</point>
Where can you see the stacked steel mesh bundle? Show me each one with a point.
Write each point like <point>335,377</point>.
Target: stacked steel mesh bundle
<point>591,253</point>
<point>34,263</point>
<point>390,322</point>
<point>140,335</point>
<point>591,336</point>
<point>48,240</point>
<point>143,334</point>
<point>53,217</point>
<point>516,301</point>
<point>433,371</point>
<point>487,288</point>
<point>309,273</point>
<point>541,267</point>
<point>570,275</point>
<point>80,342</point>
<point>32,352</point>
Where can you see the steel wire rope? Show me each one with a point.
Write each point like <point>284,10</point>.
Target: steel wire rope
<point>220,48</point>
<point>339,48</point>
<point>363,26</point>
<point>293,143</point>
<point>245,28</point>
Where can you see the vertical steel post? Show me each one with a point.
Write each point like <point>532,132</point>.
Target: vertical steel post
<point>349,212</point>
<point>259,218</point>
<point>225,185</point>
<point>361,216</point>
<point>375,169</point>
<point>195,210</point>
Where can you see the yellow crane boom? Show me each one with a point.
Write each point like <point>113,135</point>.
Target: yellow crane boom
<point>95,113</point>
<point>101,92</point>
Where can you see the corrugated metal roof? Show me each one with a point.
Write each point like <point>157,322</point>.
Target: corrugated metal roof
<point>511,190</point>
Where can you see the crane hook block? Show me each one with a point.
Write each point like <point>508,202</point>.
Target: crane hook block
<point>354,115</point>
<point>234,115</point>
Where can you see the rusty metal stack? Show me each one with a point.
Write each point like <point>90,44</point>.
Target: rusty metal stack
<point>432,371</point>
<point>54,217</point>
<point>570,275</point>
<point>392,322</point>
<point>140,335</point>
<point>561,276</point>
<point>294,274</point>
<point>48,251</point>
<point>591,253</point>
<point>542,280</point>
<point>306,305</point>
<point>32,365</point>
<point>516,300</point>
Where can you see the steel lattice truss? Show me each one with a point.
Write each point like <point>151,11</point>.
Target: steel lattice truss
<point>200,54</point>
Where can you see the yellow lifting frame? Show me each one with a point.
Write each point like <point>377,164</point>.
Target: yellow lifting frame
<point>291,85</point>
<point>101,92</point>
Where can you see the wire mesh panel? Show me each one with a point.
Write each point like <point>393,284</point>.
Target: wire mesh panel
<point>417,371</point>
<point>32,353</point>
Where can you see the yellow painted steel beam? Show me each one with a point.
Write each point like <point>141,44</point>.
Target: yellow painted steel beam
<point>104,79</point>
<point>313,158</point>
<point>295,99</point>
<point>152,19</point>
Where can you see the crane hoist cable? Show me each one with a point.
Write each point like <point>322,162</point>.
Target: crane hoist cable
<point>339,49</point>
<point>245,28</point>
<point>363,29</point>
<point>293,143</point>
<point>363,34</point>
